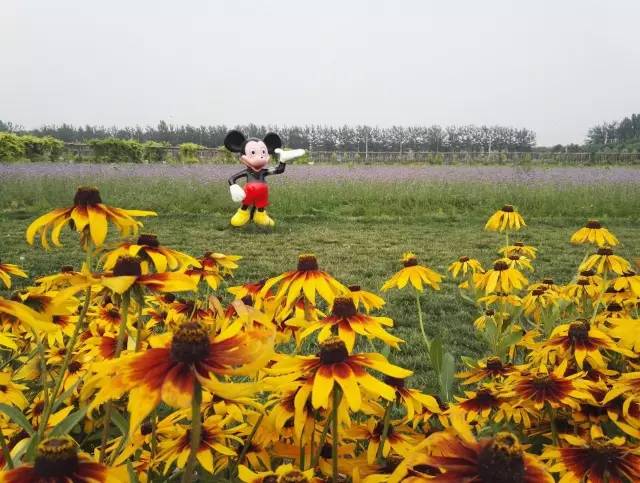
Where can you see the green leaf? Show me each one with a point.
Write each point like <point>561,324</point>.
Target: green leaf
<point>446,375</point>
<point>65,395</point>
<point>469,361</point>
<point>386,350</point>
<point>509,340</point>
<point>120,422</point>
<point>17,417</point>
<point>435,354</point>
<point>68,423</point>
<point>133,477</point>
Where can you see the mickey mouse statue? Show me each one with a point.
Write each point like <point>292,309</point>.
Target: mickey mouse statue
<point>255,155</point>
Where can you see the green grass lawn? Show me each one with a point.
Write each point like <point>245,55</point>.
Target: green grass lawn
<point>357,231</point>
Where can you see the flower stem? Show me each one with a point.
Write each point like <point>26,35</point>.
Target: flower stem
<point>385,427</point>
<point>420,319</point>
<point>65,364</point>
<point>196,431</point>
<point>246,446</point>
<point>6,454</point>
<point>106,420</point>
<point>334,420</point>
<point>552,423</point>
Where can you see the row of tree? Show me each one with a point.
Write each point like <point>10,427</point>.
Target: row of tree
<point>316,138</point>
<point>617,134</point>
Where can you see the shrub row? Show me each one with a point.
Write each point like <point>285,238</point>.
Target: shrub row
<point>14,147</point>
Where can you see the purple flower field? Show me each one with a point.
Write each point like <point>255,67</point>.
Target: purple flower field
<point>211,173</point>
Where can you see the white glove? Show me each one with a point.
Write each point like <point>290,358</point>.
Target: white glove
<point>284,156</point>
<point>237,193</point>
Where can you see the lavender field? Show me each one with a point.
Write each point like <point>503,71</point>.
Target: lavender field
<point>211,173</point>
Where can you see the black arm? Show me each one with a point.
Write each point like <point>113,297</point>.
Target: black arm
<point>237,176</point>
<point>279,169</point>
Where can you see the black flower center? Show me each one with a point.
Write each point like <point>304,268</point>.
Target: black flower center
<point>594,225</point>
<point>354,288</point>
<point>515,258</point>
<point>325,452</point>
<point>607,252</point>
<point>614,307</point>
<point>333,351</point>
<point>583,282</point>
<point>113,314</point>
<point>410,262</point>
<point>3,388</point>
<point>484,398</point>
<point>494,364</point>
<point>502,461</point>
<point>87,196</point>
<point>343,307</point>
<point>508,208</point>
<point>547,281</point>
<point>307,263</point>
<point>127,266</point>
<point>56,457</point>
<point>463,259</point>
<point>148,240</point>
<point>579,331</point>
<point>66,269</point>
<point>146,428</point>
<point>190,343</point>
<point>396,382</point>
<point>489,312</point>
<point>377,431</point>
<point>295,476</point>
<point>247,300</point>
<point>539,291</point>
<point>74,367</point>
<point>500,266</point>
<point>518,244</point>
<point>270,479</point>
<point>588,273</point>
<point>424,469</point>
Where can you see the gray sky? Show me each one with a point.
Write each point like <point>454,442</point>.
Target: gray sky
<point>555,66</point>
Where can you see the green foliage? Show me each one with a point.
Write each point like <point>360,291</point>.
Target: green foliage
<point>117,150</point>
<point>11,147</point>
<point>155,152</point>
<point>189,152</point>
<point>14,147</point>
<point>42,148</point>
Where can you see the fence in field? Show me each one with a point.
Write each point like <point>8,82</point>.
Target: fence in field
<point>219,155</point>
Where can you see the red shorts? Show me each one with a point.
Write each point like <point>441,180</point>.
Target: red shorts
<point>256,194</point>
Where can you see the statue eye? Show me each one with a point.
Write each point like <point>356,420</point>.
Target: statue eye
<point>253,152</point>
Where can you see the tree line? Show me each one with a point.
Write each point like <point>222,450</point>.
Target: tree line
<point>616,135</point>
<point>313,137</point>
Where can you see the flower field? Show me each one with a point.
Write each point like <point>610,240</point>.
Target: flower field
<point>449,324</point>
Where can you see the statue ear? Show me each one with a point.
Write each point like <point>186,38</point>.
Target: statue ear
<point>234,141</point>
<point>273,142</point>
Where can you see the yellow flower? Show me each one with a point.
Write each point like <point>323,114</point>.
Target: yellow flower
<point>604,261</point>
<point>464,265</point>
<point>505,218</point>
<point>148,248</point>
<point>350,322</point>
<point>88,214</point>
<point>594,232</point>
<point>519,248</point>
<point>7,269</point>
<point>58,459</point>
<point>306,280</point>
<point>11,393</point>
<point>129,271</point>
<point>334,365</point>
<point>418,275</point>
<point>502,278</point>
<point>368,300</point>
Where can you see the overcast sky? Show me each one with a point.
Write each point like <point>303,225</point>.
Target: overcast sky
<point>555,66</point>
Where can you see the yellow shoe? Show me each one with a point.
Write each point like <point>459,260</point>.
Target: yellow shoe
<point>261,218</point>
<point>241,217</point>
